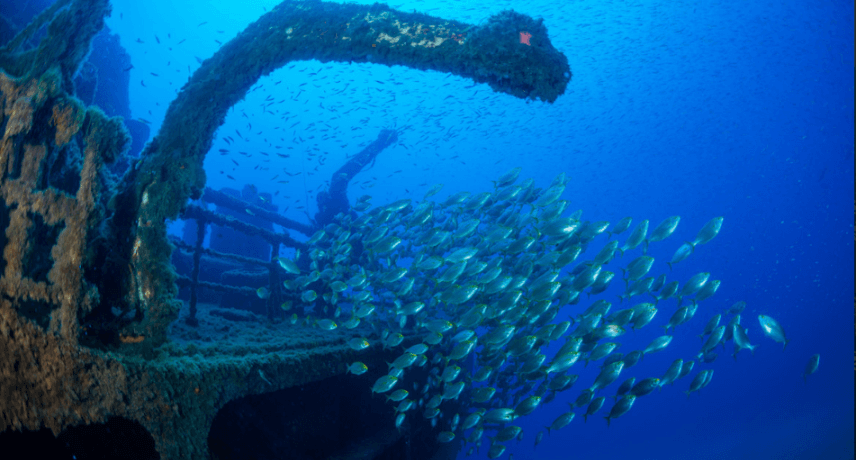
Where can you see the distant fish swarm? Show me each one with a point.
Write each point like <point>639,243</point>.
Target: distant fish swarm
<point>476,282</point>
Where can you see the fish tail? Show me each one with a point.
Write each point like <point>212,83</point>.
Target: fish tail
<point>607,421</point>
<point>785,345</point>
<point>688,393</point>
<point>670,265</point>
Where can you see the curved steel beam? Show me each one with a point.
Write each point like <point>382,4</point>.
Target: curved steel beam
<point>511,52</point>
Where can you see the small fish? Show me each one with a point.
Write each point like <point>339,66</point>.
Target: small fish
<point>636,237</point>
<point>698,382</point>
<point>495,451</point>
<point>384,384</point>
<point>508,433</point>
<point>351,323</point>
<point>773,330</point>
<point>527,406</point>
<point>811,366</point>
<point>625,386</point>
<point>326,324</point>
<point>445,436</point>
<point>357,368</point>
<point>502,415</point>
<point>433,191</point>
<point>404,361</point>
<point>398,395</point>
<point>645,386</point>
<point>673,372</point>
<point>621,226</point>
<point>621,407</point>
<point>681,254</point>
<point>394,340</point>
<point>483,394</point>
<point>737,308</point>
<point>709,231</point>
<point>665,229</point>
<point>741,341</point>
<point>508,178</point>
<point>308,296</point>
<point>713,340</point>
<point>607,375</point>
<point>660,343</point>
<point>710,326</point>
<point>593,407</point>
<point>358,343</point>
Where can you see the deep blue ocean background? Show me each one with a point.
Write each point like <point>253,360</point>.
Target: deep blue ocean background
<point>697,109</point>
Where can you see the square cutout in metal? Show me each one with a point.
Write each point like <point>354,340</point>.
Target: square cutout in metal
<point>37,262</point>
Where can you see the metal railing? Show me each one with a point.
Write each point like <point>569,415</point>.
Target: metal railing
<point>205,217</point>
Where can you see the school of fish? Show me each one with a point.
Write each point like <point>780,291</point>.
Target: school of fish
<point>473,287</point>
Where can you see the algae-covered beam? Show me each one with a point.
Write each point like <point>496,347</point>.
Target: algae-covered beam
<point>222,255</point>
<point>196,212</point>
<point>511,52</point>
<point>34,26</point>
<point>335,199</point>
<point>184,281</point>
<point>65,45</point>
<point>235,204</point>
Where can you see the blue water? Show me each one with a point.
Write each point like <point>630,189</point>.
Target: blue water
<point>698,109</point>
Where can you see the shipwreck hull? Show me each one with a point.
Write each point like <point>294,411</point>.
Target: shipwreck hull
<point>79,245</point>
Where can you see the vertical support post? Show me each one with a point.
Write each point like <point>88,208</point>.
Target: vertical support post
<point>273,280</point>
<point>194,274</point>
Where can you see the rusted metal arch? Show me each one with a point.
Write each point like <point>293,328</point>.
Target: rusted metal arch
<point>511,52</point>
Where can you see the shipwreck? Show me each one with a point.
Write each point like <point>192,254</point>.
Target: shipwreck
<point>94,337</point>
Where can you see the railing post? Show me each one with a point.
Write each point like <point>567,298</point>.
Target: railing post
<point>194,274</point>
<point>273,279</point>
